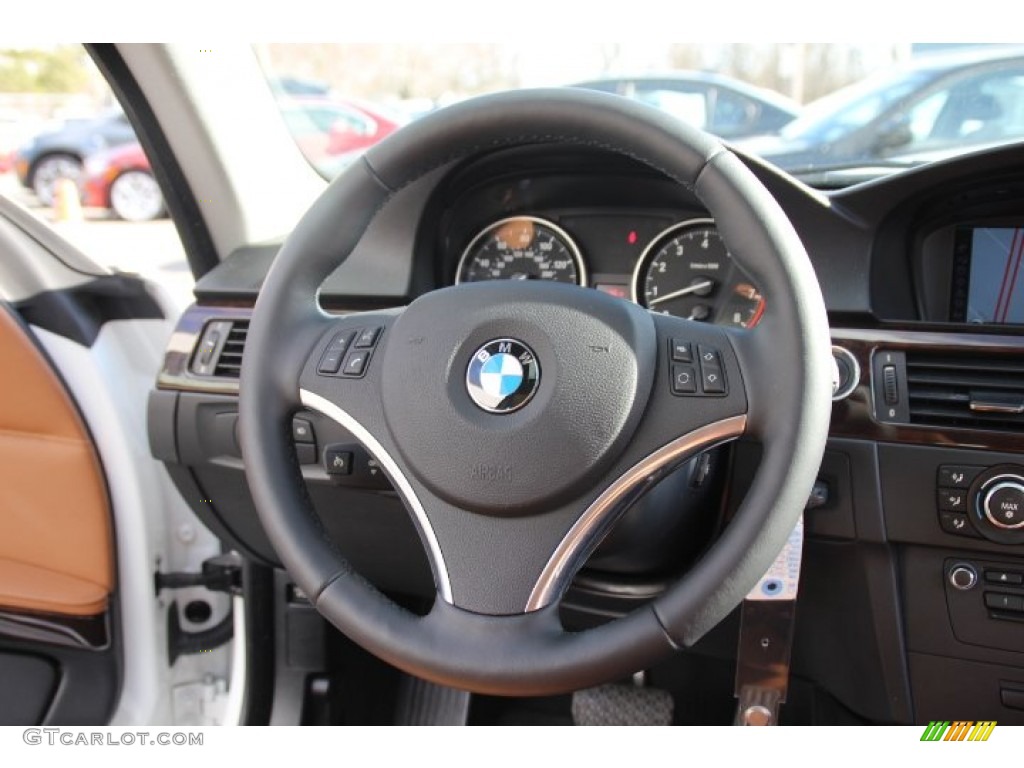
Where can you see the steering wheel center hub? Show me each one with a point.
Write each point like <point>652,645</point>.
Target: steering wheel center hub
<point>503,376</point>
<point>484,385</point>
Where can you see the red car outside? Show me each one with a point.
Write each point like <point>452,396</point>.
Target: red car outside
<point>120,179</point>
<point>358,126</point>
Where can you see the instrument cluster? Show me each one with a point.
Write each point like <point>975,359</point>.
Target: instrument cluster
<point>679,267</point>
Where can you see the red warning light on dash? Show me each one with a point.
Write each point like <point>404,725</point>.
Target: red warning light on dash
<point>612,289</point>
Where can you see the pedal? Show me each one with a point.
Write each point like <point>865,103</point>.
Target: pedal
<point>617,704</point>
<point>424,703</point>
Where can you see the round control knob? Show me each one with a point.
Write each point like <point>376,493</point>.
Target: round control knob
<point>846,373</point>
<point>1003,503</point>
<point>962,576</point>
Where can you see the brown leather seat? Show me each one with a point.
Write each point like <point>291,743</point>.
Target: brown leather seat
<point>56,550</point>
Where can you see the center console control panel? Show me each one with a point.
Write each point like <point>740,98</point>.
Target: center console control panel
<point>982,502</point>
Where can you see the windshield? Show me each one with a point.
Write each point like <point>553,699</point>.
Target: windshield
<point>800,106</point>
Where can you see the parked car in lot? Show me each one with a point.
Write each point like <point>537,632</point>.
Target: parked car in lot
<point>121,179</point>
<point>60,153</point>
<point>721,105</point>
<point>16,128</point>
<point>934,105</point>
<point>326,128</point>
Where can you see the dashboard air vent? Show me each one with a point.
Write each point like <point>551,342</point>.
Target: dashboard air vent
<point>229,361</point>
<point>979,391</point>
<point>219,352</point>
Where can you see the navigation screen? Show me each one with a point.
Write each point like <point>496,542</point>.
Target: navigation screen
<point>996,288</point>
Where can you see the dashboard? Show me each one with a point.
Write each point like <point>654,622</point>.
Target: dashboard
<point>912,600</point>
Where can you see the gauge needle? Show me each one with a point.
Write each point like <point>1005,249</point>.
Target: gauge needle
<point>693,288</point>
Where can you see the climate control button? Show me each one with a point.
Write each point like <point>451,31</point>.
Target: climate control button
<point>1003,503</point>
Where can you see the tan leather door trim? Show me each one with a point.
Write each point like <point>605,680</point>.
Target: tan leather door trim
<point>56,548</point>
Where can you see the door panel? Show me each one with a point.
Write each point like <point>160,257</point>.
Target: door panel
<point>56,551</point>
<point>32,681</point>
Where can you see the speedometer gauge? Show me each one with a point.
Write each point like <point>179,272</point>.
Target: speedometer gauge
<point>686,271</point>
<point>522,248</point>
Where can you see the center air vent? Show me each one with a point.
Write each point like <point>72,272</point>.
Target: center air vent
<point>974,391</point>
<point>219,352</point>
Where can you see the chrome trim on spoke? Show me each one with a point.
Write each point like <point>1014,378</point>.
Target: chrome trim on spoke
<point>595,522</point>
<point>360,433</point>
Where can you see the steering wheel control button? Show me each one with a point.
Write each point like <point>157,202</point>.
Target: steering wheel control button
<point>351,465</point>
<point>1003,503</point>
<point>306,453</point>
<point>709,356</point>
<point>711,373</point>
<point>338,461</point>
<point>713,380</point>
<point>963,576</point>
<point>958,476</point>
<point>682,352</point>
<point>302,431</point>
<point>355,363</point>
<point>502,376</point>
<point>368,337</point>
<point>957,524</point>
<point>952,500</point>
<point>684,380</point>
<point>1008,578</point>
<point>330,362</point>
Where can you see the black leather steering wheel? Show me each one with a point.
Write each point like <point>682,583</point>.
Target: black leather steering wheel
<point>517,420</point>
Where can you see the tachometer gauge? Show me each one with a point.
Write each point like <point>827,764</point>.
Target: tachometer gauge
<point>522,248</point>
<point>686,271</point>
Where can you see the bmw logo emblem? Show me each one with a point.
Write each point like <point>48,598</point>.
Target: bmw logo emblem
<point>502,376</point>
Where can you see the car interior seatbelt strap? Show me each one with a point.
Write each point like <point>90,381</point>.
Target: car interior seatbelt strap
<point>767,618</point>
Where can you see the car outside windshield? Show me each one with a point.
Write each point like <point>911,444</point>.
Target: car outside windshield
<point>852,107</point>
<point>801,106</point>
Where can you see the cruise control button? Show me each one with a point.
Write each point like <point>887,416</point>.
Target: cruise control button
<point>952,500</point>
<point>681,351</point>
<point>957,477</point>
<point>355,364</point>
<point>957,524</point>
<point>684,379</point>
<point>368,337</point>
